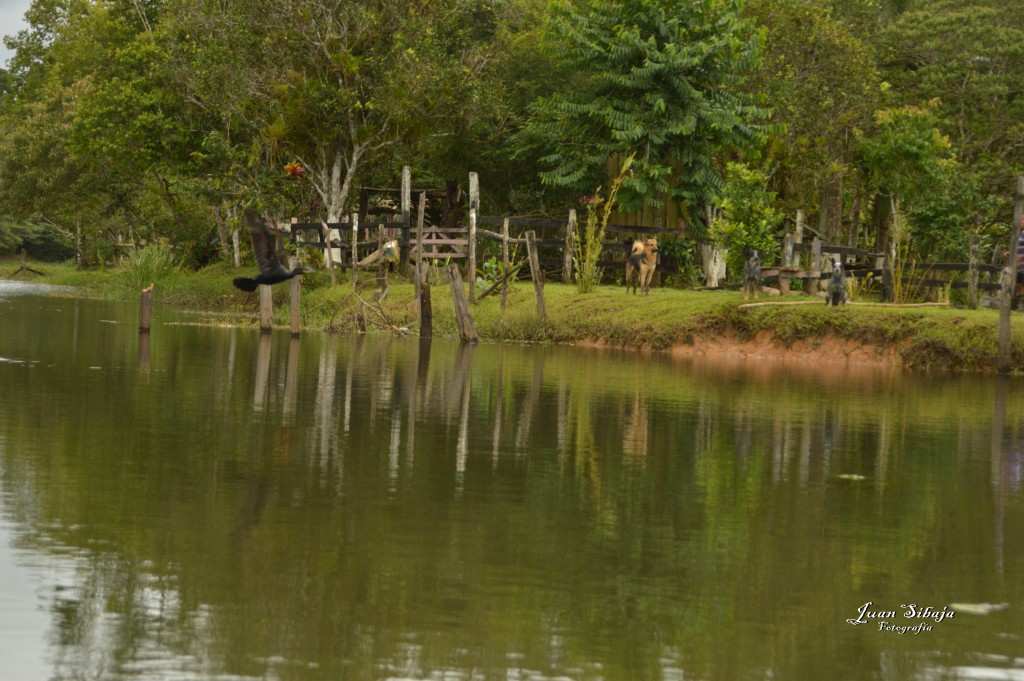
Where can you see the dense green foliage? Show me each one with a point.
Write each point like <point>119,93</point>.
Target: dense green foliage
<point>127,123</point>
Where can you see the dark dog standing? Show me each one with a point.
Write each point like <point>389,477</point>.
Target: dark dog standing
<point>836,285</point>
<point>751,275</point>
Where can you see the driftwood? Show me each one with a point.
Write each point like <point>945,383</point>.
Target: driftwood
<point>24,266</point>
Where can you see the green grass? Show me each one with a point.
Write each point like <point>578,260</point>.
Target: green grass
<point>940,338</point>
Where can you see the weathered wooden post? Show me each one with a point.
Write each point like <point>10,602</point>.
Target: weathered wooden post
<point>426,312</point>
<point>296,294</point>
<point>1009,279</point>
<point>811,284</point>
<point>474,208</point>
<point>403,252</point>
<point>888,282</point>
<point>325,234</point>
<point>266,308</point>
<point>236,249</point>
<point>798,235</point>
<point>421,210</point>
<point>504,263</point>
<point>972,275</point>
<point>467,331</point>
<point>145,309</point>
<point>787,250</point>
<point>382,275</point>
<point>570,233</point>
<point>355,250</point>
<point>536,273</point>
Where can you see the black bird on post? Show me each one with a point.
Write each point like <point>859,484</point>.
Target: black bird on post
<point>264,248</point>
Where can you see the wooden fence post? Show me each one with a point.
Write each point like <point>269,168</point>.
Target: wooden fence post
<point>798,236</point>
<point>403,253</point>
<point>811,284</point>
<point>421,209</point>
<point>296,294</point>
<point>787,249</point>
<point>266,309</point>
<point>382,276</point>
<point>888,283</point>
<point>145,309</point>
<point>972,275</point>
<point>326,235</point>
<point>536,273</point>
<point>474,207</point>
<point>1009,280</point>
<point>504,262</point>
<point>570,231</point>
<point>355,250</point>
<point>467,331</point>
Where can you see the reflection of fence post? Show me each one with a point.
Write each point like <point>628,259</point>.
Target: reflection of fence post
<point>467,331</point>
<point>261,381</point>
<point>1009,279</point>
<point>972,275</point>
<point>145,309</point>
<point>296,293</point>
<point>536,273</point>
<point>570,231</point>
<point>474,208</point>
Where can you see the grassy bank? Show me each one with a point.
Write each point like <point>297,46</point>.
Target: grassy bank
<point>938,338</point>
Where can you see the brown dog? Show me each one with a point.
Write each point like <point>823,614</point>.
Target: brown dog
<point>641,263</point>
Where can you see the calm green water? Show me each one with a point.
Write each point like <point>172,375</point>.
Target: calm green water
<point>209,504</point>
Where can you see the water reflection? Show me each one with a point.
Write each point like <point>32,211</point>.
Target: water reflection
<point>256,506</point>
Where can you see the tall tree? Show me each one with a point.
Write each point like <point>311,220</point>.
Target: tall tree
<point>822,83</point>
<point>660,78</point>
<point>967,56</point>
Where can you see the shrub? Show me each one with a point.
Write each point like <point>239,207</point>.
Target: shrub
<point>148,265</point>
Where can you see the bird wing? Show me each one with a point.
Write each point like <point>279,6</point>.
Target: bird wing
<point>264,244</point>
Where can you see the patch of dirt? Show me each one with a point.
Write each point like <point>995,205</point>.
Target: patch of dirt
<point>828,349</point>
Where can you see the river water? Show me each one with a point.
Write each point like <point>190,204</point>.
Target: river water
<point>206,503</point>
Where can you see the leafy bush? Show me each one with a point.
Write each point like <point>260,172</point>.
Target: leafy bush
<point>749,218</point>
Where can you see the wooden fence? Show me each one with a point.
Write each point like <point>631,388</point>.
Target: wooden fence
<point>807,262</point>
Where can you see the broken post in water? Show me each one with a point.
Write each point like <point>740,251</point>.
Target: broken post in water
<point>145,309</point>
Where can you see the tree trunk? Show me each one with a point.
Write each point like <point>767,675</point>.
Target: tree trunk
<point>830,219</point>
<point>880,219</point>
